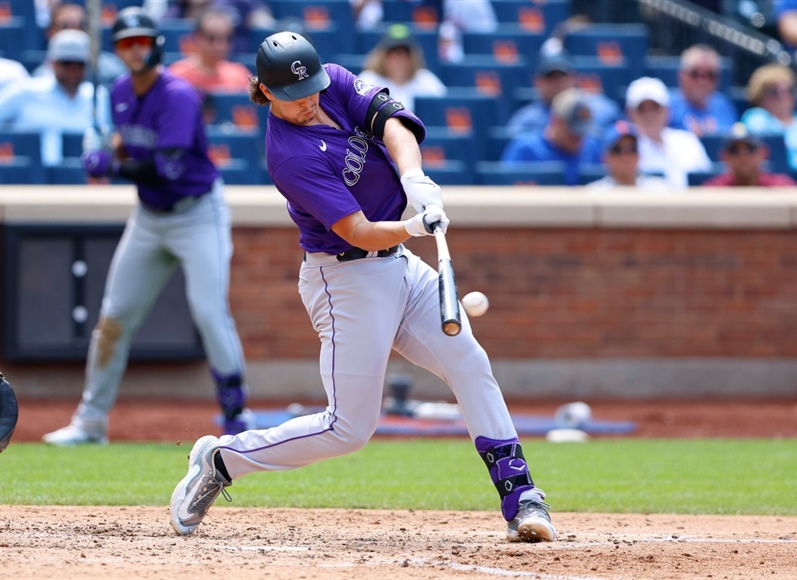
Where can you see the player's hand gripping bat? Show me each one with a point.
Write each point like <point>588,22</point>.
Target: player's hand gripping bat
<point>449,301</point>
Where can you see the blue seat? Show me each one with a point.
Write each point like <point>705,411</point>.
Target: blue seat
<point>329,41</point>
<point>424,14</point>
<point>19,171</point>
<point>177,34</point>
<point>450,173</point>
<point>666,68</point>
<point>489,77</point>
<point>238,154</point>
<point>315,14</point>
<point>697,178</point>
<point>13,37</point>
<point>532,173</point>
<point>442,145</point>
<point>506,44</point>
<point>537,17</point>
<point>234,109</point>
<point>495,141</point>
<point>610,43</point>
<point>72,144</point>
<point>593,75</point>
<point>23,147</point>
<point>68,172</point>
<point>589,173</point>
<point>463,111</point>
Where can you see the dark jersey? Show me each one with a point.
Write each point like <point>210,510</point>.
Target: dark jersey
<point>166,125</point>
<point>327,173</point>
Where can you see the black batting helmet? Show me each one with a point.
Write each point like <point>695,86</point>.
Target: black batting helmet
<point>289,67</point>
<point>133,21</point>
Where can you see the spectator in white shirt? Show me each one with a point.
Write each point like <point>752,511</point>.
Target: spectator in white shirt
<point>673,153</point>
<point>621,160</point>
<point>11,71</point>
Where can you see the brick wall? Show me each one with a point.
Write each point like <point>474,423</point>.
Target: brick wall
<point>567,293</point>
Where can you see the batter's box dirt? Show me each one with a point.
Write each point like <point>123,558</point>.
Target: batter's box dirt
<point>124,542</point>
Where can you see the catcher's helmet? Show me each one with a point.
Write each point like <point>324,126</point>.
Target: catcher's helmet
<point>133,21</point>
<point>289,67</point>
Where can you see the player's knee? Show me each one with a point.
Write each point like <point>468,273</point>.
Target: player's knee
<point>354,435</point>
<point>106,333</point>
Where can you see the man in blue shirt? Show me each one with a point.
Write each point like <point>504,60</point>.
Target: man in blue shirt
<point>566,138</point>
<point>697,105</point>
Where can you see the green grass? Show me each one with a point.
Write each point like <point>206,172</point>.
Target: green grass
<point>634,475</point>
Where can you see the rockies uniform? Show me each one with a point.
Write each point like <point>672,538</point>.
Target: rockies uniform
<point>181,220</point>
<point>333,148</point>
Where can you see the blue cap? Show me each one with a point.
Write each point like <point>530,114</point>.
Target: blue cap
<point>617,131</point>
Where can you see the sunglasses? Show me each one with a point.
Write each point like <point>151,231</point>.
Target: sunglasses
<point>225,38</point>
<point>779,91</point>
<point>72,63</point>
<point>131,41</point>
<point>624,150</point>
<point>737,148</point>
<point>696,74</point>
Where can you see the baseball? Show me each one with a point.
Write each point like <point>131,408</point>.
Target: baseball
<point>475,303</point>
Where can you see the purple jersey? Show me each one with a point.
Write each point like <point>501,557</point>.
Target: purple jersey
<point>168,116</point>
<point>327,174</point>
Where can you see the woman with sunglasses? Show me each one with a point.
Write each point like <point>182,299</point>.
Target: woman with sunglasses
<point>770,91</point>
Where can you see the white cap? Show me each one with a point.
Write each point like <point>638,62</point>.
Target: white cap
<point>69,45</point>
<point>647,89</point>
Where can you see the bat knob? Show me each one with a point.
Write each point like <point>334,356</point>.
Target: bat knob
<point>452,327</point>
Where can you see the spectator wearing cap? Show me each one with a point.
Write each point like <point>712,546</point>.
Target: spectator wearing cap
<point>398,63</point>
<point>62,102</point>
<point>208,69</point>
<point>771,92</point>
<point>72,16</point>
<point>744,156</point>
<point>673,153</point>
<point>554,74</point>
<point>696,105</point>
<point>621,160</point>
<point>566,138</point>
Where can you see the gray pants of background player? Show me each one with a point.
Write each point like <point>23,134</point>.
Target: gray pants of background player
<point>198,240</point>
<point>362,310</point>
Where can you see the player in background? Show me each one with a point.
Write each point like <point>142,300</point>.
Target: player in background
<point>181,220</point>
<point>333,146</point>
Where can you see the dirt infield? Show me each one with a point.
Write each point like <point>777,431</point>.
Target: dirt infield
<point>124,542</point>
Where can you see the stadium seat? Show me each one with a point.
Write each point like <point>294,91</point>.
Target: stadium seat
<point>666,68</point>
<point>450,173</point>
<point>536,17</point>
<point>327,41</point>
<point>462,112</point>
<point>22,150</point>
<point>18,171</point>
<point>489,77</point>
<point>420,14</point>
<point>315,14</point>
<point>13,38</point>
<point>595,76</point>
<point>610,43</point>
<point>697,178</point>
<point>237,154</point>
<point>177,34</point>
<point>495,141</point>
<point>234,109</point>
<point>72,144</point>
<point>533,173</point>
<point>589,173</point>
<point>507,44</point>
<point>442,145</point>
<point>68,172</point>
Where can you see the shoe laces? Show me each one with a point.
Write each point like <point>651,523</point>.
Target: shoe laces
<point>533,506</point>
<point>211,488</point>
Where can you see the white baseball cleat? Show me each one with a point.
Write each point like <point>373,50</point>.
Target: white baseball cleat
<point>531,524</point>
<point>77,433</point>
<point>197,491</point>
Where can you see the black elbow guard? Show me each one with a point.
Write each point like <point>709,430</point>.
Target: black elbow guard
<point>381,108</point>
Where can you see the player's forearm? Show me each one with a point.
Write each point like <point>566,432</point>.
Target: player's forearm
<point>371,236</point>
<point>402,146</point>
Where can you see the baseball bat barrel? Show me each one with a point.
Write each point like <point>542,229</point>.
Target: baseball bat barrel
<point>450,319</point>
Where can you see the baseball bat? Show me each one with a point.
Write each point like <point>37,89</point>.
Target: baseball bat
<point>450,319</point>
<point>94,14</point>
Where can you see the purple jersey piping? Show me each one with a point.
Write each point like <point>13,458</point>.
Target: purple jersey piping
<point>334,389</point>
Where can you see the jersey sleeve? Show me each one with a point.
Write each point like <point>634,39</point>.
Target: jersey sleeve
<point>181,113</point>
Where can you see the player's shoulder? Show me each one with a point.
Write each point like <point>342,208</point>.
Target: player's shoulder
<point>175,84</point>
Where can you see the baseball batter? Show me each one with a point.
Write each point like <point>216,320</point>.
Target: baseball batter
<point>181,220</point>
<point>335,149</point>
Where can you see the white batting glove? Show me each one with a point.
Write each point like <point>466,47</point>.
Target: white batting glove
<point>421,224</point>
<point>94,140</point>
<point>421,190</point>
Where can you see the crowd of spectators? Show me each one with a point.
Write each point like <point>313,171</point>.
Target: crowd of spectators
<point>664,125</point>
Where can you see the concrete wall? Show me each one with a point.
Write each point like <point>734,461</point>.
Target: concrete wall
<point>634,294</point>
